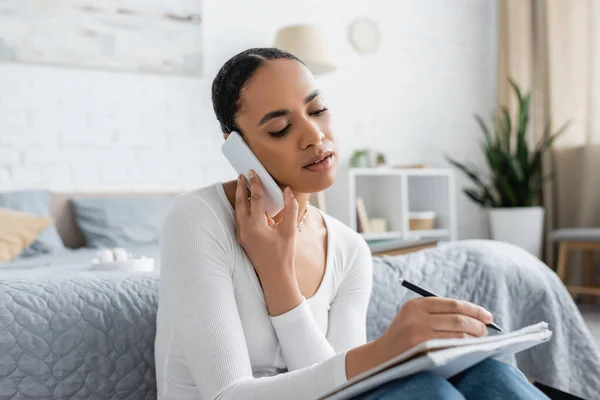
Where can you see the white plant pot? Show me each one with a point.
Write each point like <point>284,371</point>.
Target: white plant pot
<point>521,226</point>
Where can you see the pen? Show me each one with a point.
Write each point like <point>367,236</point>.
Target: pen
<point>426,293</point>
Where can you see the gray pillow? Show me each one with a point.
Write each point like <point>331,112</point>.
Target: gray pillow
<point>120,221</point>
<point>35,202</point>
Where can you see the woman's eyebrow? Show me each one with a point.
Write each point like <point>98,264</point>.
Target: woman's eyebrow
<point>280,113</point>
<point>312,96</point>
<point>272,114</point>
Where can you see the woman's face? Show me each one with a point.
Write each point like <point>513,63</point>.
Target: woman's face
<point>286,124</point>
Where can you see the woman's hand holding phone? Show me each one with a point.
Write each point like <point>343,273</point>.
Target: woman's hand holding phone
<point>270,247</point>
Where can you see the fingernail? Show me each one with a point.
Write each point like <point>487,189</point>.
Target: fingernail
<point>240,177</point>
<point>289,191</point>
<point>251,174</point>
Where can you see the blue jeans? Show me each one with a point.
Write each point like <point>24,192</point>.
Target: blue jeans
<point>489,380</point>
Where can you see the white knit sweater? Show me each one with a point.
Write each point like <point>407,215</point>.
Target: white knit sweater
<point>215,338</point>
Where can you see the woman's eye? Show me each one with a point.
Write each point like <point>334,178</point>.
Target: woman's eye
<point>281,132</point>
<point>319,111</point>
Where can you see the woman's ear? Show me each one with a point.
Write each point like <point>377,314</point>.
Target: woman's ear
<point>225,136</point>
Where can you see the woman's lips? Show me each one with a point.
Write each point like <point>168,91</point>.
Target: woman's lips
<point>320,166</point>
<point>319,157</point>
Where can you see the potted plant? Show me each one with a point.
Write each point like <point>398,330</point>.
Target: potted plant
<point>360,159</point>
<point>380,160</point>
<point>514,180</point>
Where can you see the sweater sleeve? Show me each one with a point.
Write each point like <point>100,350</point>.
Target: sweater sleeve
<point>348,313</point>
<point>197,271</point>
<point>301,340</point>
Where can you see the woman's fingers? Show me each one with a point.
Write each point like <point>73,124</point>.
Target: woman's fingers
<point>430,335</point>
<point>255,207</point>
<point>290,213</point>
<point>441,305</point>
<point>257,198</point>
<point>241,199</point>
<point>458,323</point>
<point>450,335</point>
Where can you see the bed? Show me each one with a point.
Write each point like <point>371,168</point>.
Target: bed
<point>69,332</point>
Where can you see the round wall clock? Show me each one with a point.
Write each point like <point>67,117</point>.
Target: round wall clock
<point>364,35</point>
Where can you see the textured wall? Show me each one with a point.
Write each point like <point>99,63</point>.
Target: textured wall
<point>83,129</point>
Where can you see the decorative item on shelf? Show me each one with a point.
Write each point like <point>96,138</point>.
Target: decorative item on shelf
<point>309,43</point>
<point>393,193</point>
<point>360,159</point>
<point>421,221</point>
<point>362,216</point>
<point>515,176</point>
<point>364,35</point>
<point>380,160</point>
<point>378,225</point>
<point>412,166</point>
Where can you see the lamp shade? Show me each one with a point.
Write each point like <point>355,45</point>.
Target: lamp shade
<point>309,44</point>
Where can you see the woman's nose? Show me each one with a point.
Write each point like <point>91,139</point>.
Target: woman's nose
<point>311,134</point>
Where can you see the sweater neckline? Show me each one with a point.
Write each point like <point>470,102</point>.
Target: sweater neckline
<point>328,258</point>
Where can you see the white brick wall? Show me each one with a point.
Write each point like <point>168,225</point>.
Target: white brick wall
<point>74,129</point>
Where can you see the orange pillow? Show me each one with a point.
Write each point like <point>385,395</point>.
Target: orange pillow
<point>17,231</point>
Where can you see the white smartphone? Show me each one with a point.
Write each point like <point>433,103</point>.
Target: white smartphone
<point>243,160</point>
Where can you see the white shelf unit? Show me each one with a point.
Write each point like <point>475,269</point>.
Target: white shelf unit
<point>392,193</point>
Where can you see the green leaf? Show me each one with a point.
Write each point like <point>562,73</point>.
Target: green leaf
<point>546,133</point>
<point>516,168</point>
<point>523,103</point>
<point>522,146</point>
<point>484,128</point>
<point>507,192</point>
<point>495,158</point>
<point>474,176</point>
<point>548,139</point>
<point>523,117</point>
<point>507,128</point>
<point>535,163</point>
<point>515,87</point>
<point>536,156</point>
<point>531,196</point>
<point>509,178</point>
<point>476,197</point>
<point>522,156</point>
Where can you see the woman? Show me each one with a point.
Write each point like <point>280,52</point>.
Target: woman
<point>284,299</point>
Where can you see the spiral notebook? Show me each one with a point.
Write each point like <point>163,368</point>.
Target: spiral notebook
<point>445,357</point>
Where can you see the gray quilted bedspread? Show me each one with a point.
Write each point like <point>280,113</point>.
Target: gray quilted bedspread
<point>78,335</point>
<point>78,338</point>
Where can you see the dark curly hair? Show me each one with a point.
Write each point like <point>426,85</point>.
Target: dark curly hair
<point>233,76</point>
